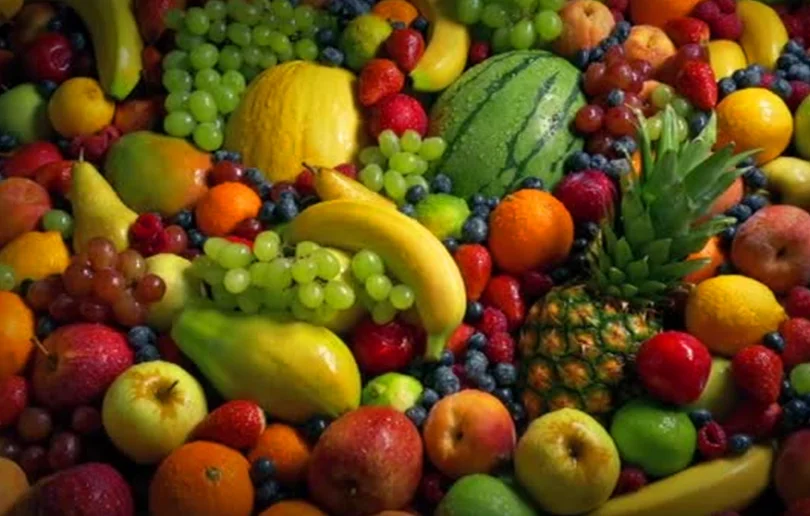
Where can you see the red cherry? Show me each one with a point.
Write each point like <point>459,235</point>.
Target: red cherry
<point>674,366</point>
<point>226,172</point>
<point>49,58</point>
<point>381,348</point>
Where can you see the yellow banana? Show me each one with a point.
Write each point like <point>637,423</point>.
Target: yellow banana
<point>331,185</point>
<point>448,45</point>
<point>726,57</point>
<point>764,35</point>
<point>411,252</point>
<point>702,490</point>
<point>117,43</point>
<point>8,9</point>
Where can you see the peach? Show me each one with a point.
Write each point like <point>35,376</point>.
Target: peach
<point>585,24</point>
<point>791,472</point>
<point>733,195</point>
<point>773,246</point>
<point>22,203</point>
<point>650,44</point>
<point>469,432</point>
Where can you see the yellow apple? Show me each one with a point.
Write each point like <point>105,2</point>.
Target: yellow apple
<point>151,409</point>
<point>567,462</point>
<point>181,287</point>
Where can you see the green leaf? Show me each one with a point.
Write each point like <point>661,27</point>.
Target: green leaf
<point>629,291</point>
<point>652,287</point>
<point>658,251</point>
<point>638,270</point>
<point>623,254</point>
<point>615,276</point>
<point>639,231</point>
<point>601,278</point>
<point>668,141</point>
<point>614,291</point>
<point>605,263</point>
<point>609,237</point>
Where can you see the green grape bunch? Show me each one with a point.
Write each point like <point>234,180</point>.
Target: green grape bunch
<point>513,24</point>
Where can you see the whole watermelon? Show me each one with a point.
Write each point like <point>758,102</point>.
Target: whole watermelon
<point>505,119</point>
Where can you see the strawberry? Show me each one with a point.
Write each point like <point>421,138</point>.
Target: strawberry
<point>588,195</point>
<point>757,371</point>
<point>500,349</point>
<point>630,480</point>
<point>800,91</point>
<point>475,264</point>
<point>405,46</point>
<point>237,424</point>
<point>798,302</point>
<point>712,441</point>
<point>697,83</point>
<point>687,30</point>
<point>492,322</point>
<point>755,419</point>
<point>727,26</point>
<point>479,51</point>
<point>796,333</point>
<point>707,11</point>
<point>399,113</point>
<point>13,399</point>
<point>379,79</point>
<point>503,292</point>
<point>727,6</point>
<point>457,343</point>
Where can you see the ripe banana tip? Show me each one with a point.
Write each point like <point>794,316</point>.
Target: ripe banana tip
<point>434,348</point>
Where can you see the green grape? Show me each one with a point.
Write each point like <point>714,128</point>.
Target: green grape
<point>261,35</point>
<point>218,31</point>
<point>8,278</point>
<point>177,81</point>
<point>230,58</point>
<point>548,25</point>
<point>219,124</point>
<point>235,7</point>
<point>324,314</point>
<point>311,295</point>
<point>552,5</point>
<point>280,44</point>
<point>328,264</point>
<point>501,40</point>
<point>59,221</point>
<point>283,9</point>
<point>288,27</point>
<point>209,136</point>
<point>176,102</point>
<point>304,16</point>
<point>239,33</point>
<point>681,106</point>
<point>800,379</point>
<point>216,9</point>
<point>306,49</point>
<point>394,185</point>
<point>249,72</point>
<point>213,246</point>
<point>403,162</point>
<point>305,248</point>
<point>199,265</point>
<point>402,297</point>
<point>301,312</point>
<point>275,300</point>
<point>662,96</point>
<point>235,256</point>
<point>526,6</point>
<point>236,281</point>
<point>522,35</point>
<point>186,41</point>
<point>339,295</point>
<point>268,60</point>
<point>372,177</point>
<point>179,124</point>
<point>267,246</point>
<point>372,155</point>
<point>682,128</point>
<point>252,55</point>
<point>366,263</point>
<point>223,299</point>
<point>654,125</point>
<point>202,106</point>
<point>432,148</point>
<point>234,80</point>
<point>207,80</point>
<point>279,274</point>
<point>413,180</point>
<point>421,166</point>
<point>469,11</point>
<point>174,19</point>
<point>196,21</point>
<point>250,301</point>
<point>494,16</point>
<point>204,56</point>
<point>410,141</point>
<point>389,143</point>
<point>258,273</point>
<point>308,32</point>
<point>378,286</point>
<point>251,15</point>
<point>383,313</point>
<point>214,275</point>
<point>176,59</point>
<point>304,271</point>
<point>272,21</point>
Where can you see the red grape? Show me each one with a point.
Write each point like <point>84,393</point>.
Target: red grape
<point>150,289</point>
<point>615,54</point>
<point>632,100</point>
<point>34,425</point>
<point>34,461</point>
<point>226,172</point>
<point>86,420</point>
<point>132,265</point>
<point>65,451</point>
<point>177,239</point>
<point>589,119</point>
<point>64,308</point>
<point>642,67</point>
<point>81,259</point>
<point>620,121</point>
<point>599,143</point>
<point>128,311</point>
<point>9,448</point>
<point>692,51</point>
<point>279,188</point>
<point>594,82</point>
<point>78,280</point>
<point>102,253</point>
<point>94,311</point>
<point>619,75</point>
<point>43,292</point>
<point>108,285</point>
<point>248,228</point>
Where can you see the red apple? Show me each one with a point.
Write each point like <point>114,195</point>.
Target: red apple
<point>56,176</point>
<point>49,58</point>
<point>367,461</point>
<point>22,204</point>
<point>78,363</point>
<point>381,348</point>
<point>674,366</point>
<point>791,472</point>
<point>27,159</point>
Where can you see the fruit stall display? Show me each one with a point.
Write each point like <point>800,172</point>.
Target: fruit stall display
<point>392,257</point>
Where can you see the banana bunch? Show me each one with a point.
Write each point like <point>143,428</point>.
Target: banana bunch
<point>448,45</point>
<point>702,490</point>
<point>764,35</point>
<point>411,253</point>
<point>116,41</point>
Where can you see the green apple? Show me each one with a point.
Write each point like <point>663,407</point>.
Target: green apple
<point>395,390</point>
<point>720,394</point>
<point>483,495</point>
<point>24,114</point>
<point>151,409</point>
<point>789,178</point>
<point>181,287</point>
<point>567,462</point>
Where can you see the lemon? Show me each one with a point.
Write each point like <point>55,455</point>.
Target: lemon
<point>728,313</point>
<point>79,108</point>
<point>35,255</point>
<point>726,57</point>
<point>754,118</point>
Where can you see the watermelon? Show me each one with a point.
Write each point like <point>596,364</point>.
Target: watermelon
<point>505,119</point>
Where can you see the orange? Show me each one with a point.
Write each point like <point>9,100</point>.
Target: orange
<point>16,332</point>
<point>733,195</point>
<point>79,108</point>
<point>530,229</point>
<point>14,482</point>
<point>293,508</point>
<point>288,450</point>
<point>224,206</point>
<point>204,479</point>
<point>754,119</point>
<point>659,12</point>
<point>396,10</point>
<point>716,256</point>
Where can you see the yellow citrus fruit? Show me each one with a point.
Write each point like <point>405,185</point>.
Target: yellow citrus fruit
<point>35,255</point>
<point>16,332</point>
<point>754,118</point>
<point>78,107</point>
<point>728,313</point>
<point>726,57</point>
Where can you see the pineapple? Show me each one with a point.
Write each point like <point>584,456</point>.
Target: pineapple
<point>579,342</point>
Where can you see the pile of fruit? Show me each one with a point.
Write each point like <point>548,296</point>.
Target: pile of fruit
<point>404,257</point>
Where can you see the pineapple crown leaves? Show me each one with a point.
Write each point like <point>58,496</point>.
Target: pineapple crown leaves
<point>644,247</point>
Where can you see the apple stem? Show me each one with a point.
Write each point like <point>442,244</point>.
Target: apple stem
<point>164,393</point>
<point>40,346</point>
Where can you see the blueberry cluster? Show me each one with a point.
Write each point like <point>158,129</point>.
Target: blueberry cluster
<point>586,56</point>
<point>268,490</point>
<point>794,63</point>
<point>614,168</point>
<point>755,76</point>
<point>754,179</point>
<point>143,340</point>
<point>314,427</point>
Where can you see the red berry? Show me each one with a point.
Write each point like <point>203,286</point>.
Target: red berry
<point>727,6</point>
<point>479,51</point>
<point>347,169</point>
<point>794,26</point>
<point>399,113</point>
<point>757,372</point>
<point>380,78</point>
<point>707,11</point>
<point>146,226</point>
<point>754,419</point>
<point>457,343</point>
<point>382,348</point>
<point>767,80</point>
<point>503,292</point>
<point>800,91</point>
<point>674,367</point>
<point>492,322</point>
<point>588,195</point>
<point>589,119</point>
<point>305,182</point>
<point>796,333</point>
<point>712,442</point>
<point>727,26</point>
<point>49,58</point>
<point>798,302</point>
<point>500,348</point>
<point>630,480</point>
<point>13,399</point>
<point>535,284</point>
<point>475,264</point>
<point>405,46</point>
<point>226,172</point>
<point>431,488</point>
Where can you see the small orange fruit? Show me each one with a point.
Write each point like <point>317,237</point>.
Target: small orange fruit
<point>14,482</point>
<point>716,256</point>
<point>293,508</point>
<point>288,450</point>
<point>204,479</point>
<point>659,12</point>
<point>224,206</point>
<point>16,332</point>
<point>530,229</point>
<point>396,10</point>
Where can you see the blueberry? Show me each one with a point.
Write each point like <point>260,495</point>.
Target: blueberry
<point>579,160</point>
<point>56,24</point>
<point>739,444</point>
<point>774,340</point>
<point>795,415</point>
<point>782,88</point>
<point>475,363</point>
<point>504,394</point>
<point>474,312</point>
<point>408,209</point>
<point>580,244</point>
<point>755,202</point>
<point>615,98</point>
<point>78,41</point>
<point>332,56</point>
<point>451,244</point>
<point>579,261</point>
<point>476,200</point>
<point>596,55</point>
<point>261,470</point>
<point>698,122</point>
<point>447,386</point>
<point>356,7</point>
<point>288,195</point>
<point>755,178</point>
<point>795,47</point>
<point>505,374</point>
<point>477,341</point>
<point>625,146</point>
<point>416,194</point>
<point>286,210</point>
<point>785,61</point>
<point>560,275</point>
<point>254,176</point>
<point>447,358</point>
<point>140,336</point>
<point>799,72</point>
<point>420,24</point>
<point>235,156</point>
<point>617,168</point>
<point>517,412</point>
<point>396,24</point>
<point>267,493</point>
<point>738,77</point>
<point>725,269</point>
<point>481,211</point>
<point>700,417</point>
<point>416,368</point>
<point>786,392</point>
<point>184,219</point>
<point>622,30</point>
<point>588,230</point>
<point>428,398</point>
<point>417,414</point>
<point>147,353</point>
<point>7,142</point>
<point>441,373</point>
<point>582,59</point>
<point>220,155</point>
<point>728,234</point>
<point>474,230</point>
<point>45,326</point>
<point>314,427</point>
<point>441,184</point>
<point>195,238</point>
<point>46,88</point>
<point>781,74</point>
<point>264,189</point>
<point>726,87</point>
<point>741,212</point>
<point>751,78</point>
<point>598,161</point>
<point>493,201</point>
<point>485,382</point>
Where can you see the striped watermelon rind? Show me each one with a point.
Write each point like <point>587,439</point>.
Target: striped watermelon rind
<point>492,144</point>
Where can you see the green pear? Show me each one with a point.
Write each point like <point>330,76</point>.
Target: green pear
<point>97,209</point>
<point>181,288</point>
<point>395,390</point>
<point>789,178</point>
<point>24,114</point>
<point>720,394</point>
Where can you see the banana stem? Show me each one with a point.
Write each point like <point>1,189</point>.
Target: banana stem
<point>435,347</point>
